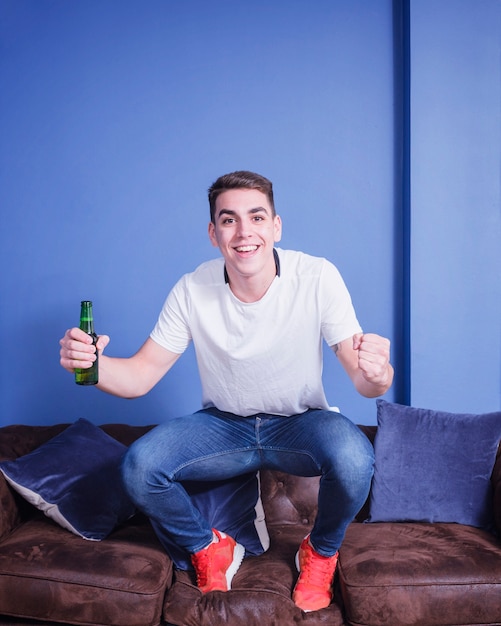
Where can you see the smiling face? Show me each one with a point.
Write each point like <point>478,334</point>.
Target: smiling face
<point>245,230</point>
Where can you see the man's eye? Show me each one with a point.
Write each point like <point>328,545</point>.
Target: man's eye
<point>228,220</point>
<point>258,218</point>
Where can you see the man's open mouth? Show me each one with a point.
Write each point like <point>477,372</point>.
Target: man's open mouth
<point>246,248</point>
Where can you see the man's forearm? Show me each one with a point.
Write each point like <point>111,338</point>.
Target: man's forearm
<point>134,376</point>
<point>119,377</point>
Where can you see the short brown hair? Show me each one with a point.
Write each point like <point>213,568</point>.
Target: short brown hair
<point>240,180</point>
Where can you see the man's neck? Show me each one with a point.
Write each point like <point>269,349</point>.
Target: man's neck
<point>252,288</point>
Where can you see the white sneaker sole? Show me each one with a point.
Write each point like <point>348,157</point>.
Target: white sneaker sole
<point>297,562</point>
<point>238,557</point>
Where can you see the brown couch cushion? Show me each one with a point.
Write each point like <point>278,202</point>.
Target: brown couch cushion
<point>409,573</point>
<point>261,591</point>
<point>47,573</point>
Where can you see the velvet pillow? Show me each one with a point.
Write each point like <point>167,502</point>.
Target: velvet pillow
<point>75,480</point>
<point>232,506</point>
<point>433,466</point>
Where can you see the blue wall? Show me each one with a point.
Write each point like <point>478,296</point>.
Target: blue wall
<point>456,204</point>
<point>117,115</point>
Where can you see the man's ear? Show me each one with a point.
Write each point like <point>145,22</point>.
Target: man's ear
<point>212,235</point>
<point>278,228</point>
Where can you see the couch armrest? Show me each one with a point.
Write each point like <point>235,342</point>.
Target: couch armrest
<point>10,511</point>
<point>496,488</point>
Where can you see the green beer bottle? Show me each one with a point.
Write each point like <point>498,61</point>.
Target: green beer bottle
<point>87,376</point>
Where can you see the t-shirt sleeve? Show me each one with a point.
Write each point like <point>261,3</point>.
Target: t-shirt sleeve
<point>339,320</point>
<point>172,330</point>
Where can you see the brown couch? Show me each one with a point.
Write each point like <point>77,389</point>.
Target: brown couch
<point>389,574</point>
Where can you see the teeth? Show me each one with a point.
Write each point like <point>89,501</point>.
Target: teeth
<point>246,248</point>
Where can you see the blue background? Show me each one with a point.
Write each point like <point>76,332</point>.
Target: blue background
<point>378,122</point>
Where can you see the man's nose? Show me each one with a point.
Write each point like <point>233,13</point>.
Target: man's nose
<point>243,228</point>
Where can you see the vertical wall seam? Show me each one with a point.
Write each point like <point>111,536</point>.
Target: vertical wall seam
<point>406,200</point>
<point>402,187</point>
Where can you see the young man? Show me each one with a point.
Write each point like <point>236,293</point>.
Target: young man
<point>258,317</point>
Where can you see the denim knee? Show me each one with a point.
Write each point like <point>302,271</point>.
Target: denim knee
<point>359,457</point>
<point>350,454</point>
<point>135,472</point>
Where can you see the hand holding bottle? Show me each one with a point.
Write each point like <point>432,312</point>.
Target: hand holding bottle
<point>125,377</point>
<point>80,348</point>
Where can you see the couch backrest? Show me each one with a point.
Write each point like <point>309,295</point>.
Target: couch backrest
<point>286,499</point>
<point>289,499</point>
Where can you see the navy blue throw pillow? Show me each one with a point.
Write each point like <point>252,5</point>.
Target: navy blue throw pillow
<point>433,466</point>
<point>75,480</point>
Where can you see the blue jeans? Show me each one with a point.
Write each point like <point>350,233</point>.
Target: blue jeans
<point>214,445</point>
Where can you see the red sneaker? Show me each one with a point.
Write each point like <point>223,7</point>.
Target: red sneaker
<point>313,590</point>
<point>216,565</point>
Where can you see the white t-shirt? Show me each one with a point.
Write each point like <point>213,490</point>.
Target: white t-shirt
<point>265,356</point>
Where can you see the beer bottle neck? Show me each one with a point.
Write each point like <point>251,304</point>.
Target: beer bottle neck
<point>86,319</point>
